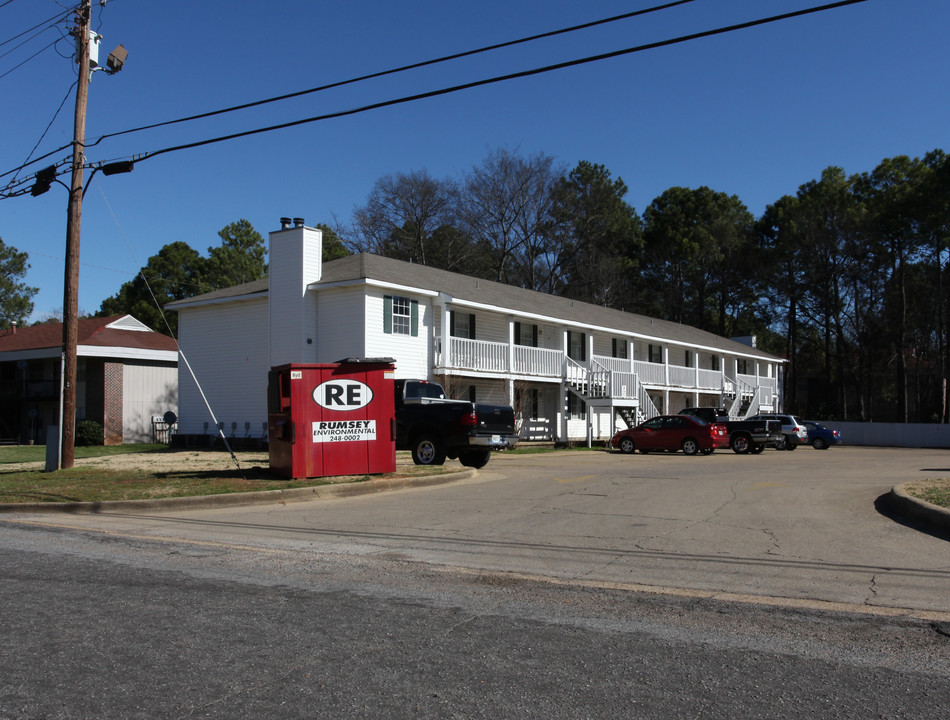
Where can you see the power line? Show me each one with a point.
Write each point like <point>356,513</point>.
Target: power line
<point>465,86</point>
<point>38,52</point>
<point>51,21</point>
<point>49,125</point>
<point>383,73</point>
<point>502,78</point>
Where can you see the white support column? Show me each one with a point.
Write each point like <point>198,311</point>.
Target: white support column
<point>589,337</point>
<point>446,336</point>
<point>511,344</point>
<point>630,356</point>
<point>696,368</point>
<point>666,368</point>
<point>562,399</point>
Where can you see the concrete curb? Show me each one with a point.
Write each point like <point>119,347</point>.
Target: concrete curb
<point>928,514</point>
<point>263,497</point>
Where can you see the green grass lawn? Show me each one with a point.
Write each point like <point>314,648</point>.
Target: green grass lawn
<point>933,491</point>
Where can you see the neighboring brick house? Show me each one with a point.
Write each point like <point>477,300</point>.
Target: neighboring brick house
<point>572,370</point>
<point>125,375</point>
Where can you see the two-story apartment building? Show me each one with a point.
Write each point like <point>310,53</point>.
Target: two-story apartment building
<point>572,370</point>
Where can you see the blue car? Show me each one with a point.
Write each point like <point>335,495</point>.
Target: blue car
<point>821,437</point>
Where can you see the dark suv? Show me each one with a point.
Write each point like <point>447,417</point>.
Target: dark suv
<point>793,429</point>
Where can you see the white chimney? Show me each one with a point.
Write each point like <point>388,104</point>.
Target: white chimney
<point>295,261</point>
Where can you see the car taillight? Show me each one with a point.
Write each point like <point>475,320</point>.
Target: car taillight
<point>469,420</point>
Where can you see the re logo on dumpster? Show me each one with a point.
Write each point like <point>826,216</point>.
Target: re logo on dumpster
<point>343,395</point>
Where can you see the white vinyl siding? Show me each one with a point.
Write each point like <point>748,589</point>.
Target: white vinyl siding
<point>340,325</point>
<point>147,390</point>
<point>412,354</point>
<point>227,347</point>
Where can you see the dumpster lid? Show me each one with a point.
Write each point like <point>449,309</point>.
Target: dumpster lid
<point>374,361</point>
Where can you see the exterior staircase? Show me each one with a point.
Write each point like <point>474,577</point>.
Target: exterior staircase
<point>601,387</point>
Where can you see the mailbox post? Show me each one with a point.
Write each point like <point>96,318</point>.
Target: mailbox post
<point>332,419</point>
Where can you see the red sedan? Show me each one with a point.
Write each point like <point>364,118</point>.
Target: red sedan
<point>672,433</point>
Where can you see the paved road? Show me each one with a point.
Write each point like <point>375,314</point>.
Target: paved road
<point>798,526</point>
<point>391,605</point>
<point>109,626</point>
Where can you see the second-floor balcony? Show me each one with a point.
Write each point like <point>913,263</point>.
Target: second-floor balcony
<point>481,356</point>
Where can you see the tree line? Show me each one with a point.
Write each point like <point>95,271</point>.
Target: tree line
<point>847,278</point>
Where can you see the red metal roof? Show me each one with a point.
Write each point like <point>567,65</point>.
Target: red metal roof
<point>92,331</point>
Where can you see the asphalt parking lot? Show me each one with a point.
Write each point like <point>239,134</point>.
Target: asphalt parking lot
<point>802,526</point>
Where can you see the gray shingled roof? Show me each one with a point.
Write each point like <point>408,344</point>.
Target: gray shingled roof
<point>487,292</point>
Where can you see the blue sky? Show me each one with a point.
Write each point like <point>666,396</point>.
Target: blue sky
<point>754,113</point>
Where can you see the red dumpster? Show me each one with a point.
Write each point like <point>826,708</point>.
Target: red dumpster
<point>332,419</point>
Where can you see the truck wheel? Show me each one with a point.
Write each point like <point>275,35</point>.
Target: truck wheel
<point>741,444</point>
<point>690,446</point>
<point>426,450</point>
<point>475,458</point>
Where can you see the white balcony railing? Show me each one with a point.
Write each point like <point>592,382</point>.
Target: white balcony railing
<point>613,377</point>
<point>611,363</point>
<point>682,376</point>
<point>538,361</point>
<point>710,379</point>
<point>650,373</point>
<point>479,355</point>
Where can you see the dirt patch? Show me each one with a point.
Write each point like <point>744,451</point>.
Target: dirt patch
<point>174,460</point>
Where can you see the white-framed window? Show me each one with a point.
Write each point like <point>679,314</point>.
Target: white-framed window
<point>462,325</point>
<point>655,353</point>
<point>526,334</point>
<point>400,315</point>
<point>576,408</point>
<point>742,366</point>
<point>577,346</point>
<point>619,348</point>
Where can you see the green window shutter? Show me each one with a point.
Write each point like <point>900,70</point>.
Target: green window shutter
<point>414,318</point>
<point>471,326</point>
<point>517,333</point>
<point>452,323</point>
<point>534,336</point>
<point>388,314</point>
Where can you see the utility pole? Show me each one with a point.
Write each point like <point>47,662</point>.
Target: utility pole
<point>73,224</point>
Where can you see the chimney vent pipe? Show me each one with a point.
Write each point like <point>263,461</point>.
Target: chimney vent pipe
<point>284,223</point>
<point>298,222</point>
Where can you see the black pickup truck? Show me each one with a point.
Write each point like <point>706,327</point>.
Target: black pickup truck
<point>745,436</point>
<point>434,428</point>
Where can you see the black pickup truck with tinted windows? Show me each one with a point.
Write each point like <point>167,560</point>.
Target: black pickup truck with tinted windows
<point>745,436</point>
<point>433,427</point>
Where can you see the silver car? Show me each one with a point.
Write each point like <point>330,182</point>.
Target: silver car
<point>793,430</point>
